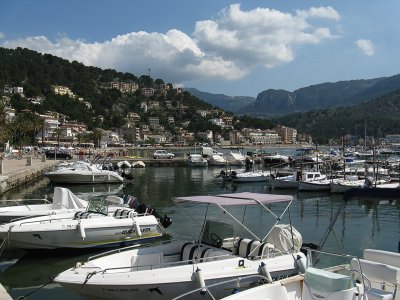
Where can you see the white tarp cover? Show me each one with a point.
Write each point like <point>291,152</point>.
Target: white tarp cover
<point>63,198</point>
<point>237,199</point>
<point>281,237</point>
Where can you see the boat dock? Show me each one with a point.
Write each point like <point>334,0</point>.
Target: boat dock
<point>14,172</point>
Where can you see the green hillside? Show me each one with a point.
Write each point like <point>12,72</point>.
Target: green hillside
<point>380,116</point>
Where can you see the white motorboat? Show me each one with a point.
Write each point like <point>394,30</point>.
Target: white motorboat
<point>275,159</point>
<point>138,164</point>
<point>64,201</point>
<point>167,270</point>
<point>340,185</point>
<point>235,159</point>
<point>292,181</point>
<point>255,176</point>
<point>92,228</point>
<point>196,160</point>
<point>377,278</point>
<point>217,160</point>
<point>124,164</point>
<point>83,172</point>
<point>315,185</point>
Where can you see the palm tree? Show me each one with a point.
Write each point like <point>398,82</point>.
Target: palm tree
<point>4,124</point>
<point>96,135</point>
<point>58,132</point>
<point>38,124</point>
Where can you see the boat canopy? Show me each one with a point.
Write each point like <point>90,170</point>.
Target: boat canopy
<point>64,198</point>
<point>233,199</point>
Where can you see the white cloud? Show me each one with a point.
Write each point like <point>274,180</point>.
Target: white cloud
<point>2,35</point>
<point>366,46</point>
<point>226,47</point>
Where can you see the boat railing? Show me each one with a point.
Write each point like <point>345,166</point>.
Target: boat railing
<point>169,264</point>
<point>39,221</point>
<point>22,202</point>
<point>206,288</point>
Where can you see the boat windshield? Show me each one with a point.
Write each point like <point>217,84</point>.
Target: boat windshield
<point>98,206</point>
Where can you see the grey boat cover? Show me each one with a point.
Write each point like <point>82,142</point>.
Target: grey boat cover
<point>63,198</point>
<point>233,199</point>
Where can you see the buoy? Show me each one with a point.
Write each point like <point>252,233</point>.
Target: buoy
<point>82,231</point>
<point>301,263</point>
<point>202,283</point>
<point>137,227</point>
<point>264,272</point>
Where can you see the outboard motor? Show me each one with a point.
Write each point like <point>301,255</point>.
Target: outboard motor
<point>233,174</point>
<point>127,176</point>
<point>249,164</point>
<point>148,209</point>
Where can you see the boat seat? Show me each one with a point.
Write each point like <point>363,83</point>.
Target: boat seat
<point>190,251</point>
<point>328,285</point>
<point>121,213</point>
<point>252,248</point>
<point>383,257</point>
<point>82,215</point>
<point>380,275</point>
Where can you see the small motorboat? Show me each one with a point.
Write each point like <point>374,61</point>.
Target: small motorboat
<point>196,160</point>
<point>83,172</point>
<point>138,164</point>
<point>94,227</point>
<point>166,270</point>
<point>254,176</point>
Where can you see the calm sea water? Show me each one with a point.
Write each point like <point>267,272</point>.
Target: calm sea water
<point>364,224</point>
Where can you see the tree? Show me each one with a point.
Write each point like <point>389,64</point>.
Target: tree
<point>58,132</point>
<point>96,136</point>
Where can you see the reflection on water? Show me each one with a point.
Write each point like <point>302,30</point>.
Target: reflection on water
<point>364,224</point>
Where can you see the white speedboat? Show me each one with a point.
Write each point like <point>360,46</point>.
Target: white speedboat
<point>92,228</point>
<point>83,172</point>
<point>255,176</point>
<point>292,181</point>
<point>167,270</point>
<point>196,160</point>
<point>64,201</point>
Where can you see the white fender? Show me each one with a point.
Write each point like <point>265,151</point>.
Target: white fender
<point>200,280</point>
<point>137,227</point>
<point>82,231</point>
<point>301,262</point>
<point>265,272</point>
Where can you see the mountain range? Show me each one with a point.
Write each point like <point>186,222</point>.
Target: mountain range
<point>274,103</point>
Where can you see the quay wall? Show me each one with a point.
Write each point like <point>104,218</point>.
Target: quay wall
<point>15,172</point>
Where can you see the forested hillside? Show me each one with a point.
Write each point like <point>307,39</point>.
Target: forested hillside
<point>380,116</point>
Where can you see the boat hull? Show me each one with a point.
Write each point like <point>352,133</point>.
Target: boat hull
<point>170,282</point>
<point>84,178</point>
<point>314,186</point>
<point>77,235</point>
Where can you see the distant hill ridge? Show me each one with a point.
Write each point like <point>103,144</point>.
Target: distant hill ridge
<point>274,103</point>
<point>227,103</point>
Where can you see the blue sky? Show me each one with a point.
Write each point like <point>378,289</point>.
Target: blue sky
<point>230,47</point>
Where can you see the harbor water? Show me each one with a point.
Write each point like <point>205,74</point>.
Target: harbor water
<point>363,224</point>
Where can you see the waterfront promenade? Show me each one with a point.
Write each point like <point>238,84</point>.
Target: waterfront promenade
<point>14,172</point>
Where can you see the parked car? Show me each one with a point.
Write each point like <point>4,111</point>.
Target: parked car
<point>59,154</point>
<point>163,154</point>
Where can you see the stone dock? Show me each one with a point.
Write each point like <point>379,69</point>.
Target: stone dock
<point>14,172</point>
